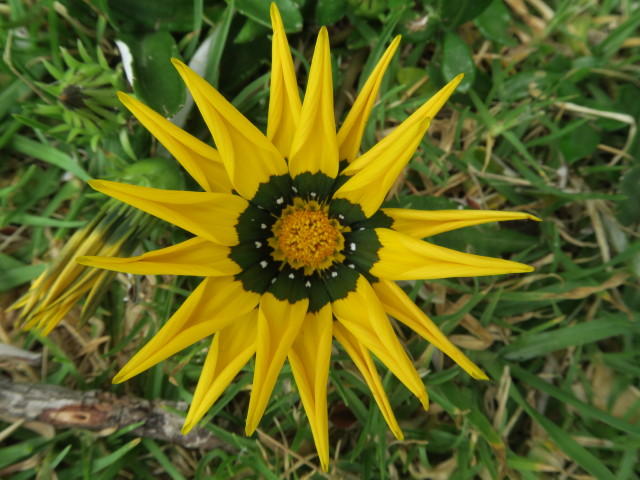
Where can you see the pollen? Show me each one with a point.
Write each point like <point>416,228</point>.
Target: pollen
<point>306,237</point>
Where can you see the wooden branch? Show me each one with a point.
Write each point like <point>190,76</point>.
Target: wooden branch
<point>97,410</point>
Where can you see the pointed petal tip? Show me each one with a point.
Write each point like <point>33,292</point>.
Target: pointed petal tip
<point>187,426</point>
<point>453,84</point>
<point>123,96</point>
<point>98,185</point>
<point>249,429</point>
<point>479,375</point>
<point>424,400</point>
<point>83,260</point>
<point>533,217</point>
<point>119,378</point>
<point>179,64</point>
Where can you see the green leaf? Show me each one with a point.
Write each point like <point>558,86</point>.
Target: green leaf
<point>580,143</point>
<point>250,31</point>
<point>494,23</point>
<point>619,35</point>
<point>150,16</point>
<point>568,398</point>
<point>156,81</point>
<point>463,402</point>
<point>540,344</point>
<point>48,154</point>
<point>492,240</point>
<point>629,208</point>
<point>330,11</point>
<point>456,58</point>
<point>162,459</point>
<point>454,13</point>
<point>258,10</point>
<point>218,41</point>
<point>17,276</point>
<point>410,76</point>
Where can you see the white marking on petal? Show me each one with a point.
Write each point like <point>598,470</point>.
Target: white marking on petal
<point>264,264</point>
<point>341,217</point>
<point>308,284</point>
<point>273,280</point>
<point>258,244</point>
<point>292,276</point>
<point>351,265</point>
<point>313,194</point>
<point>294,189</point>
<point>352,246</point>
<point>279,200</point>
<point>263,226</point>
<point>334,274</point>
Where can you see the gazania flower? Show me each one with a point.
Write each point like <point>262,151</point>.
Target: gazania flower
<point>294,246</point>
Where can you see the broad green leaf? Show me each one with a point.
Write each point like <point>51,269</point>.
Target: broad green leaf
<point>454,13</point>
<point>330,11</point>
<point>580,143</point>
<point>250,31</point>
<point>456,59</point>
<point>156,82</point>
<point>494,23</point>
<point>149,16</point>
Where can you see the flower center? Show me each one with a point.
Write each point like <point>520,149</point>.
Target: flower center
<point>305,237</point>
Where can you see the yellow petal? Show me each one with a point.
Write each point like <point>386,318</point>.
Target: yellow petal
<point>278,325</point>
<point>64,272</point>
<point>363,361</point>
<point>213,305</point>
<point>199,159</point>
<point>310,356</point>
<point>284,99</point>
<point>248,157</point>
<point>350,133</point>
<point>192,257</point>
<point>46,319</point>
<point>424,223</point>
<point>362,314</point>
<point>209,215</point>
<point>426,111</point>
<point>230,350</point>
<point>64,283</point>
<point>406,258</point>
<point>397,304</point>
<point>315,146</point>
<point>384,163</point>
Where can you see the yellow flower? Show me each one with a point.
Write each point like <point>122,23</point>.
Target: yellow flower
<point>292,242</point>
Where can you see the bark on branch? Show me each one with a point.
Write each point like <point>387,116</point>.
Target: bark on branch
<point>97,410</point>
